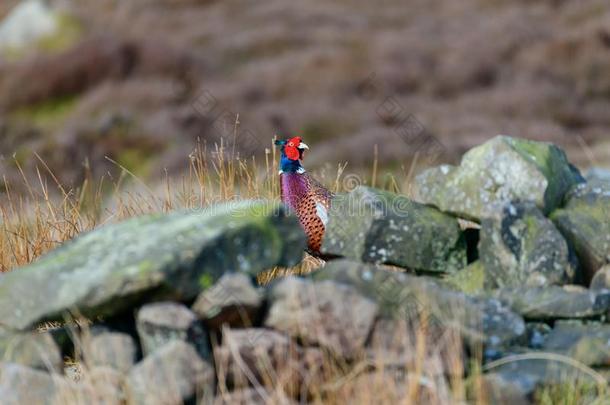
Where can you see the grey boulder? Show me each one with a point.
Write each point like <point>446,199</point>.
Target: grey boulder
<point>554,302</point>
<point>585,223</point>
<point>233,301</point>
<point>171,375</point>
<point>157,256</point>
<point>380,227</point>
<point>163,322</point>
<point>478,320</point>
<point>520,247</point>
<point>501,170</point>
<point>325,313</point>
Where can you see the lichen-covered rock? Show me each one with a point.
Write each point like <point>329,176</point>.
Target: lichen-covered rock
<point>170,376</point>
<point>521,247</point>
<point>555,302</point>
<point>380,227</point>
<point>469,280</point>
<point>588,343</point>
<point>402,296</point>
<point>232,301</point>
<point>163,322</point>
<point>585,223</point>
<point>31,349</point>
<point>501,170</point>
<point>331,315</point>
<point>155,256</point>
<point>111,349</point>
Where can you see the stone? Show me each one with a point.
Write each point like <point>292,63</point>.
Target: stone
<point>266,358</point>
<point>35,350</point>
<point>394,344</point>
<point>521,247</point>
<point>376,226</point>
<point>470,280</point>
<point>589,343</point>
<point>171,375</point>
<point>585,223</point>
<point>325,313</point>
<point>28,23</point>
<point>478,320</point>
<point>157,256</point>
<point>501,170</point>
<point>601,279</point>
<point>115,350</point>
<point>232,301</point>
<point>555,302</point>
<point>537,333</point>
<point>163,322</point>
<point>23,385</point>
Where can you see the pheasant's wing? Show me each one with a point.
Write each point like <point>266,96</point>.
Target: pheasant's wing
<point>319,193</point>
<point>313,212</point>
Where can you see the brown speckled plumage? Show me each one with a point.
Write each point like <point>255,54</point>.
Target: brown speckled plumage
<point>307,197</point>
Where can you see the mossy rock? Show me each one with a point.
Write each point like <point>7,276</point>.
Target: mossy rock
<point>377,226</point>
<point>520,246</point>
<point>470,280</point>
<point>172,256</point>
<point>501,170</point>
<point>585,223</point>
<point>554,302</point>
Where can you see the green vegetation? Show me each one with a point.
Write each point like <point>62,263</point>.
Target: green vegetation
<point>48,114</point>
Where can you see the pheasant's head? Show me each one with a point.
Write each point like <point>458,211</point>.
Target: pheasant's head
<point>292,154</point>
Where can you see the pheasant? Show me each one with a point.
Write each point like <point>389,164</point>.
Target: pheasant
<point>302,193</point>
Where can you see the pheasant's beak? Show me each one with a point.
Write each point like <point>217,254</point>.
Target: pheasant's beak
<point>303,145</point>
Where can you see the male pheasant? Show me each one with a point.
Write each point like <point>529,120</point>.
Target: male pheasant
<point>303,194</point>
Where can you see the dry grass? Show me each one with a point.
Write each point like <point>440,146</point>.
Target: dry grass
<point>49,214</point>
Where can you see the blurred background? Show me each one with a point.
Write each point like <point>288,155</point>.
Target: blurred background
<point>88,87</point>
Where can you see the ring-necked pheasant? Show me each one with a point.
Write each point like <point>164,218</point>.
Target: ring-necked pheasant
<point>302,193</point>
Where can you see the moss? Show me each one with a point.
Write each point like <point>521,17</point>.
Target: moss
<point>47,114</point>
<point>69,30</point>
<point>135,160</point>
<point>206,281</point>
<point>469,280</point>
<point>578,392</point>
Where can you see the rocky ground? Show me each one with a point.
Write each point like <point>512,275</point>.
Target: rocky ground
<point>140,81</point>
<point>414,302</point>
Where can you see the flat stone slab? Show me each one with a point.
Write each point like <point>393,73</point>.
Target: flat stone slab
<point>171,256</point>
<point>553,302</point>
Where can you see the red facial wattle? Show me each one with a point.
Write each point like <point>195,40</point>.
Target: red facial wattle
<point>292,152</point>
